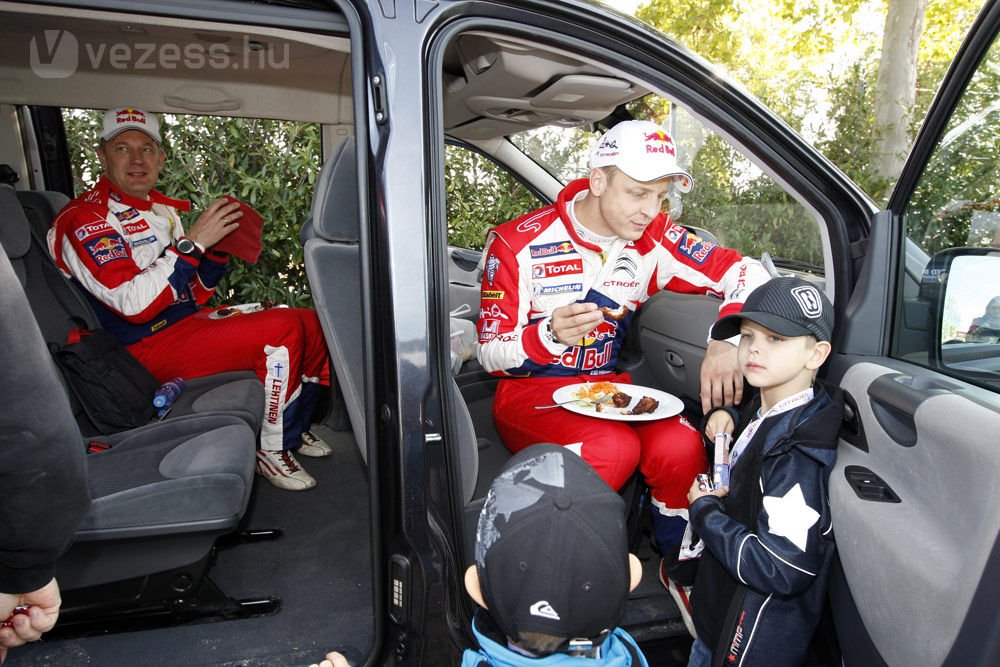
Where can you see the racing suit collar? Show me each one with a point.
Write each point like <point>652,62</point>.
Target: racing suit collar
<point>643,244</point>
<point>111,191</point>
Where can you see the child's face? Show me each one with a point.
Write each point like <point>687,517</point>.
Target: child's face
<point>772,361</point>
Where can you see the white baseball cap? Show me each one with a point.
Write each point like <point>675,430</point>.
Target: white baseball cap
<point>118,120</point>
<point>643,151</point>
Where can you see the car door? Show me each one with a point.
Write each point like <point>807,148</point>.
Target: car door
<point>915,491</point>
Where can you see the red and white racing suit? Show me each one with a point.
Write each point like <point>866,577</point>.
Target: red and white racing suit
<point>149,296</point>
<point>537,263</point>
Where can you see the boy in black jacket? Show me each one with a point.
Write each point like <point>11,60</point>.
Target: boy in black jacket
<point>768,537</point>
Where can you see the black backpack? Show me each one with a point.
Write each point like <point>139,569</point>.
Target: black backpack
<point>113,388</point>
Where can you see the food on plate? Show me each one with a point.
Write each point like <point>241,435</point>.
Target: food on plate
<point>596,392</point>
<point>226,312</point>
<point>620,399</point>
<point>645,404</point>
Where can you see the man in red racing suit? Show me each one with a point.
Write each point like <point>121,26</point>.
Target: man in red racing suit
<point>123,242</point>
<point>560,288</point>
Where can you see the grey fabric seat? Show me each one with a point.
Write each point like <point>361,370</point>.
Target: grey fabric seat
<point>59,306</point>
<point>331,239</point>
<point>161,495</point>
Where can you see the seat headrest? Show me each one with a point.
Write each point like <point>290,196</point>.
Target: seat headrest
<point>15,234</point>
<point>335,214</point>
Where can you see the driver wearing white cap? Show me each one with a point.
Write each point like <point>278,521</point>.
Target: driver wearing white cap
<point>560,288</point>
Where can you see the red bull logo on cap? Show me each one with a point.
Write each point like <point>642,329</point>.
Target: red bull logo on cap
<point>130,116</point>
<point>660,142</point>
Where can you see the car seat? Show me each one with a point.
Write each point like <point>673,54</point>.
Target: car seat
<point>59,306</point>
<point>161,494</point>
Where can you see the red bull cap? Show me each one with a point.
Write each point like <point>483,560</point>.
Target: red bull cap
<point>643,151</point>
<point>118,120</point>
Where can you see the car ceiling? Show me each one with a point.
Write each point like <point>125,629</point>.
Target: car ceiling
<point>493,85</point>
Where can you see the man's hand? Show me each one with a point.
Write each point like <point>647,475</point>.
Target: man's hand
<point>41,617</point>
<point>572,322</point>
<point>721,380</point>
<point>217,222</point>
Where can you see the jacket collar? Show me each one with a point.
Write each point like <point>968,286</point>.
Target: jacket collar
<point>643,244</point>
<point>110,191</point>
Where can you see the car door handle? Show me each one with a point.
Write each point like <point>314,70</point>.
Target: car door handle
<point>869,486</point>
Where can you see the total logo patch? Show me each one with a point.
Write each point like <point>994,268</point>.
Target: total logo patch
<point>107,249</point>
<point>93,229</point>
<point>137,227</point>
<point>552,269</point>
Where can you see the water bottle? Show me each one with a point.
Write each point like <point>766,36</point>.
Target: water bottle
<point>168,392</point>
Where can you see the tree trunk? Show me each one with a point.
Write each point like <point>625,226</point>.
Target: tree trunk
<point>896,91</point>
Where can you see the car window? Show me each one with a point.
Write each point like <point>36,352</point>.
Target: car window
<point>733,199</point>
<point>480,195</point>
<point>953,218</point>
<point>277,184</point>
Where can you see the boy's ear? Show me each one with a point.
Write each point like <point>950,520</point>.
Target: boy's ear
<point>634,571</point>
<point>472,586</point>
<point>821,350</point>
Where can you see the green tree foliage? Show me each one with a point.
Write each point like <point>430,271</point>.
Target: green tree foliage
<point>270,165</point>
<point>479,197</point>
<point>814,62</point>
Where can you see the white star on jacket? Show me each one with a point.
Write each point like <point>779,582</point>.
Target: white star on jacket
<point>790,516</point>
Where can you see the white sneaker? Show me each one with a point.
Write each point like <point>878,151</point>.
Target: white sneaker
<point>681,596</point>
<point>313,447</point>
<point>282,470</point>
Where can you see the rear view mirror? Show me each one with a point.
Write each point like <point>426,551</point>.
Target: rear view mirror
<point>963,288</point>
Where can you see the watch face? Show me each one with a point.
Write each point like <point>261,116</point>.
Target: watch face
<point>185,246</point>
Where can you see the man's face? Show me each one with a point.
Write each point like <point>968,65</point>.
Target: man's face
<point>626,205</point>
<point>132,161</point>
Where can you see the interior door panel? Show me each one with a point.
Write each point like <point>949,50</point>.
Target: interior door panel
<point>464,281</point>
<point>673,333</point>
<point>912,562</point>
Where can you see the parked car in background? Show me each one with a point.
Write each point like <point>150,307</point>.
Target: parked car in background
<point>417,102</point>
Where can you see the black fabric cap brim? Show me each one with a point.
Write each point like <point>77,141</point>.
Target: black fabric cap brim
<point>729,325</point>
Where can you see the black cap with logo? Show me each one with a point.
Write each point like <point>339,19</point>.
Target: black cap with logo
<point>551,547</point>
<point>788,306</point>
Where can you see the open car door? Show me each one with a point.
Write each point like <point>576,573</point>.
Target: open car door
<point>915,494</point>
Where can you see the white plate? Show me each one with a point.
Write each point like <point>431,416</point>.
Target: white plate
<point>669,405</point>
<point>238,309</point>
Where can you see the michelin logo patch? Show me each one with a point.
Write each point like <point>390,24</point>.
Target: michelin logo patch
<point>561,289</point>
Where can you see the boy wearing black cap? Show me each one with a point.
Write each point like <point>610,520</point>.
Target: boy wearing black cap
<point>552,568</point>
<point>768,537</point>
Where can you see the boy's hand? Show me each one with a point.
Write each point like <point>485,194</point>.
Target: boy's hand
<point>695,492</point>
<point>333,659</point>
<point>719,422</point>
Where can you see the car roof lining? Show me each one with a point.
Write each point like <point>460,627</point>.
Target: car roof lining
<point>268,72</point>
